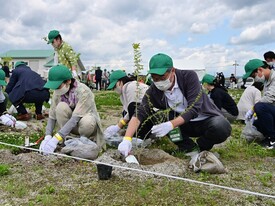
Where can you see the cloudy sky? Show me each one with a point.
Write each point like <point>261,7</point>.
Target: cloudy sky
<point>215,32</point>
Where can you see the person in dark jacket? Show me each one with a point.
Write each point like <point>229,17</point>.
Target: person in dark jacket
<point>6,69</point>
<point>221,98</point>
<point>26,86</point>
<point>98,78</point>
<point>183,110</point>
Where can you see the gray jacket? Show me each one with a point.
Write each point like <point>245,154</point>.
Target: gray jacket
<point>269,89</point>
<point>198,101</point>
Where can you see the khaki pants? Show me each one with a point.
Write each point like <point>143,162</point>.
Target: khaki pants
<point>86,125</point>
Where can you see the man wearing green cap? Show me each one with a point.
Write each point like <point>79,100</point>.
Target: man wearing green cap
<point>26,86</point>
<point>5,118</point>
<point>73,110</point>
<point>265,108</point>
<point>66,54</point>
<point>220,97</point>
<point>131,93</point>
<point>184,110</point>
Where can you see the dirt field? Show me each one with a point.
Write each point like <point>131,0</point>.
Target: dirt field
<point>34,179</point>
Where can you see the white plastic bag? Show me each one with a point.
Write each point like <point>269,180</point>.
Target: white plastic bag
<point>208,162</point>
<point>20,125</point>
<point>81,147</point>
<point>116,139</point>
<point>250,133</point>
<point>12,110</point>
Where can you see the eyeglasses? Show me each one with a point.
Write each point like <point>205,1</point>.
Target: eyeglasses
<point>158,78</point>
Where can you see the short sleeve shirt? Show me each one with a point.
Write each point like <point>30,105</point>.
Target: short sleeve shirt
<point>66,55</point>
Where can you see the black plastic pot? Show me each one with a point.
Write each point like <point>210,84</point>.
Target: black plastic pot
<point>104,171</point>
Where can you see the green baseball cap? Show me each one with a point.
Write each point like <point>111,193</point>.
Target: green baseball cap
<point>115,76</point>
<point>57,75</point>
<point>160,63</point>
<point>52,34</point>
<point>19,63</point>
<point>252,65</point>
<point>2,78</point>
<point>208,78</point>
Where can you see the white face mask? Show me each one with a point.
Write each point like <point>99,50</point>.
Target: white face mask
<point>164,85</point>
<point>62,90</point>
<point>270,63</point>
<point>260,79</point>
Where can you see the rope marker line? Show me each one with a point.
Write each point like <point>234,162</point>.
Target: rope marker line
<point>149,172</point>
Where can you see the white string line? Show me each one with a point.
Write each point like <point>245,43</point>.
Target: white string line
<point>149,172</point>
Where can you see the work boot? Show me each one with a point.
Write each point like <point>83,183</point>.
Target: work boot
<point>39,116</point>
<point>24,117</point>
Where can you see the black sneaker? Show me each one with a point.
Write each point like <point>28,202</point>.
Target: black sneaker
<point>271,144</point>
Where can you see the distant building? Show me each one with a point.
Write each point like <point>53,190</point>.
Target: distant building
<point>37,60</point>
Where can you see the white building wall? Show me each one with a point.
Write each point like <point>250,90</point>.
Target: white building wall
<point>39,67</point>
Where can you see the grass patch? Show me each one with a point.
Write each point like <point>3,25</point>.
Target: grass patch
<point>4,170</point>
<point>17,139</point>
<point>107,98</point>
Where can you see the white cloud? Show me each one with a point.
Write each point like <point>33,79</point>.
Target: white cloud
<point>199,28</point>
<point>263,33</point>
<point>252,15</point>
<point>103,31</point>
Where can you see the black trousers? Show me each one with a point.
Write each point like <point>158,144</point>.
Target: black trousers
<point>3,105</point>
<point>33,96</point>
<point>213,130</point>
<point>210,131</point>
<point>144,128</point>
<point>98,84</point>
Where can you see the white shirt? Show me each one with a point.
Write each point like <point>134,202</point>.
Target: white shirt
<point>178,102</point>
<point>249,98</point>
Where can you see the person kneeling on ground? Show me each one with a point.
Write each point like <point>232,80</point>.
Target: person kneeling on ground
<point>187,111</point>
<point>131,93</point>
<point>220,98</point>
<point>265,107</point>
<point>73,109</point>
<point>26,86</point>
<point>251,95</point>
<point>5,118</point>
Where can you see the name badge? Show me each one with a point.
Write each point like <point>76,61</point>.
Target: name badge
<point>175,135</point>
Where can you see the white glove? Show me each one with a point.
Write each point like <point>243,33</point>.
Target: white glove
<point>125,147</point>
<point>8,120</point>
<point>249,114</point>
<point>111,131</point>
<point>74,74</point>
<point>162,129</point>
<point>50,146</point>
<point>11,117</point>
<point>44,142</point>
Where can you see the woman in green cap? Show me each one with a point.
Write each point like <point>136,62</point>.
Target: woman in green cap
<point>72,108</point>
<point>131,93</point>
<point>221,98</point>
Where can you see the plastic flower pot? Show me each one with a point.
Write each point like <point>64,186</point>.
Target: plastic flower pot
<point>104,171</point>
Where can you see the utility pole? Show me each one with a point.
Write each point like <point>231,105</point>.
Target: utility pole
<point>235,64</point>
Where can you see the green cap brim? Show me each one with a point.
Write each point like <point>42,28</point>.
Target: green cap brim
<point>159,71</point>
<point>247,75</point>
<point>3,83</point>
<point>112,84</point>
<point>53,84</point>
<point>50,41</point>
